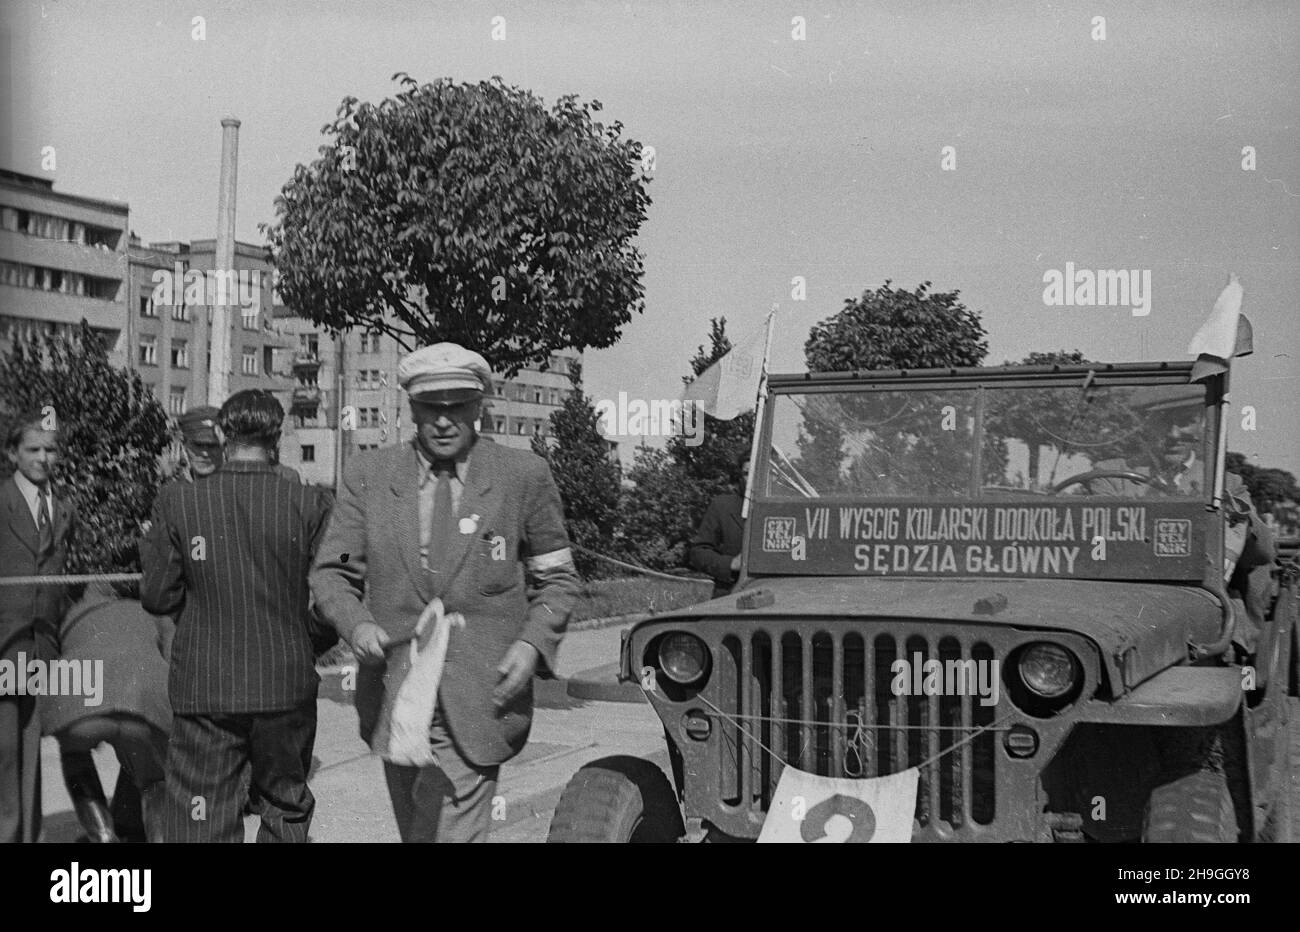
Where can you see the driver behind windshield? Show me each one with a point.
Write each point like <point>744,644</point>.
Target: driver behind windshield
<point>1172,464</point>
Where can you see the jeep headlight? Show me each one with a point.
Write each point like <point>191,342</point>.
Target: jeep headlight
<point>1049,670</point>
<point>683,657</point>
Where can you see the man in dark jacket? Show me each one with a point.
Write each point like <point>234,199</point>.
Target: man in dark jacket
<point>36,527</point>
<point>121,650</point>
<point>231,554</point>
<point>716,547</point>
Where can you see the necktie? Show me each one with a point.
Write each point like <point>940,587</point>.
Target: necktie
<point>44,529</point>
<point>443,522</point>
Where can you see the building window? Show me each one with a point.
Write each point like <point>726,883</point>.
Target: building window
<point>180,354</point>
<point>249,366</point>
<point>249,316</point>
<point>148,351</point>
<point>181,311</point>
<point>308,453</point>
<point>501,425</point>
<point>309,343</point>
<point>268,360</point>
<point>176,401</point>
<point>147,308</point>
<point>538,396</point>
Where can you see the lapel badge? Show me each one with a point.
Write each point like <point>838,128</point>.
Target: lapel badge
<point>469,525</point>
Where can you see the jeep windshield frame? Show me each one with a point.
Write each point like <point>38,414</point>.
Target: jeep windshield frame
<point>919,468</point>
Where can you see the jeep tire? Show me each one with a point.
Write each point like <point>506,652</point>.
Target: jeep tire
<point>1195,808</point>
<point>619,800</point>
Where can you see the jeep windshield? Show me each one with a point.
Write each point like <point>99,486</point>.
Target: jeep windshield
<point>1000,472</point>
<point>988,442</point>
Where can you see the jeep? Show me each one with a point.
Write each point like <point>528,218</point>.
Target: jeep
<point>1029,583</point>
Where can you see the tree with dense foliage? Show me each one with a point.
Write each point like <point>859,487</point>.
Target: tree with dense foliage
<point>884,328</point>
<point>111,432</point>
<point>890,329</point>
<point>669,489</point>
<point>468,213</point>
<point>588,479</point>
<point>711,464</point>
<point>1272,491</point>
<point>658,510</point>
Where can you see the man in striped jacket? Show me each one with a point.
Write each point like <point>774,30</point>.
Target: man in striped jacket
<point>231,555</point>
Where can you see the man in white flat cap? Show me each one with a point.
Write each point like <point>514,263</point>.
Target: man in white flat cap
<point>446,566</point>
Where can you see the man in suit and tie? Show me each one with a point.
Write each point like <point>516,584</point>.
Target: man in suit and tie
<point>447,568</point>
<point>38,526</point>
<point>230,555</point>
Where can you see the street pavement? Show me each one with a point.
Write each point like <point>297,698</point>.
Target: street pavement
<point>348,782</point>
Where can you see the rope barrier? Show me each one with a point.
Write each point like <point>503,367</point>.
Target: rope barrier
<point>69,580</point>
<point>639,569</point>
<point>133,577</point>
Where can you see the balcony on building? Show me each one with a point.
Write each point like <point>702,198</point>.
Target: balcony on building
<point>305,366</point>
<point>305,401</point>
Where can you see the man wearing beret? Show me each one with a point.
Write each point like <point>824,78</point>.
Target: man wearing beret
<point>446,566</point>
<point>202,443</point>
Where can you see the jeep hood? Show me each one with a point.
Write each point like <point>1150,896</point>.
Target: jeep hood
<point>1139,628</point>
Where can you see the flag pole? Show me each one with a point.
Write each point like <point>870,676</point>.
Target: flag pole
<point>759,405</point>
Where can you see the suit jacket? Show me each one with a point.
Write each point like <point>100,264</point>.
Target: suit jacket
<point>231,555</point>
<point>130,645</point>
<point>720,537</point>
<point>29,615</point>
<point>368,570</point>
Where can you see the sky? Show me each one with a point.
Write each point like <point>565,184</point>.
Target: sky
<point>776,157</point>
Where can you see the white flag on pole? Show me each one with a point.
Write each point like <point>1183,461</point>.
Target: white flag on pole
<point>1226,333</point>
<point>728,387</point>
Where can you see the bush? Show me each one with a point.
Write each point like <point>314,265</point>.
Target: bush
<point>111,429</point>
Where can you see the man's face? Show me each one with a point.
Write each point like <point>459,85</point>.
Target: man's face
<point>744,475</point>
<point>1181,443</point>
<point>36,455</point>
<point>204,457</point>
<point>446,427</point>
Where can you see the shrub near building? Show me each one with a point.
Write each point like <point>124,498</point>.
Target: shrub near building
<point>111,432</point>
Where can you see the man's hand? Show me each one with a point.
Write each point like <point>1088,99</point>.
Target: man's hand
<point>368,640</point>
<point>735,563</point>
<point>518,666</point>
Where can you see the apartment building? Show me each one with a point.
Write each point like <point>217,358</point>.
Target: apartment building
<point>173,287</point>
<point>62,259</point>
<point>368,408</point>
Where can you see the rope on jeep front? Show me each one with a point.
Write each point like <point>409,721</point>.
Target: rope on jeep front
<point>861,737</point>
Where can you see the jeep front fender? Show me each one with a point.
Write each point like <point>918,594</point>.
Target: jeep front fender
<point>1180,696</point>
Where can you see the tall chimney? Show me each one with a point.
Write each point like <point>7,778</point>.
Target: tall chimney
<point>219,372</point>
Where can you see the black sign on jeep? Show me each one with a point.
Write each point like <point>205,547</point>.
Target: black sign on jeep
<point>1034,585</point>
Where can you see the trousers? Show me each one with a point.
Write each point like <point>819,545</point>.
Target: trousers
<point>450,801</point>
<point>20,770</point>
<point>141,749</point>
<point>205,765</point>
